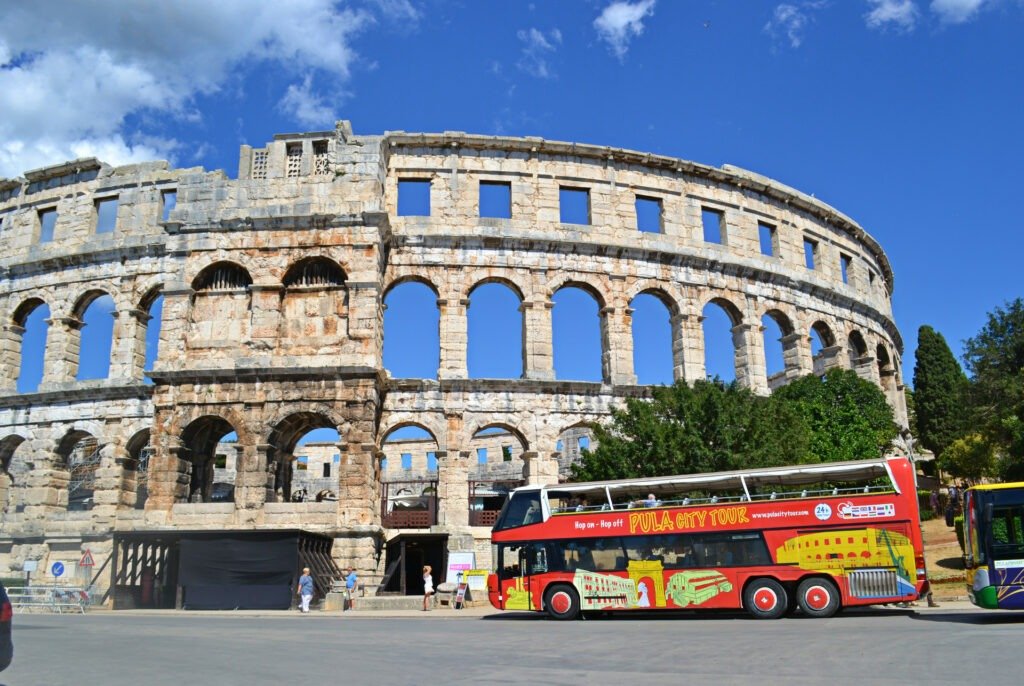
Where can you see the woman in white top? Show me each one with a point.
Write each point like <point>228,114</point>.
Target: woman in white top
<point>428,586</point>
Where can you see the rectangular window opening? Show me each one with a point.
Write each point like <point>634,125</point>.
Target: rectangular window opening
<point>574,205</point>
<point>506,453</point>
<point>496,199</point>
<point>810,253</point>
<point>413,198</point>
<point>106,215</point>
<point>431,461</point>
<point>481,455</point>
<point>768,237</point>
<point>169,200</point>
<point>649,216</point>
<point>327,469</point>
<point>47,223</point>
<point>844,266</point>
<point>871,278</point>
<point>713,222</point>
<point>407,461</point>
<point>293,154</point>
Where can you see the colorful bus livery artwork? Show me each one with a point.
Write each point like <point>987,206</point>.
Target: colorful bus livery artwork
<point>994,543</point>
<point>761,540</point>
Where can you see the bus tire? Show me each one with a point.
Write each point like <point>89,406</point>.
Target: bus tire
<point>818,597</point>
<point>765,599</point>
<point>562,602</point>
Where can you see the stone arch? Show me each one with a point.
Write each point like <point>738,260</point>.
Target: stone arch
<point>91,333</point>
<point>595,291</point>
<point>500,424</point>
<point>24,345</point>
<point>886,370</point>
<point>410,278</point>
<point>396,420</point>
<point>282,441</point>
<point>413,310</point>
<point>222,275</point>
<point>220,304</point>
<point>8,446</point>
<point>197,453</point>
<point>856,347</point>
<point>573,324</point>
<point>782,355</point>
<point>78,458</point>
<point>499,280</point>
<point>735,313</point>
<point>149,314</point>
<point>660,292</point>
<point>656,357</point>
<point>136,469</point>
<point>568,444</point>
<point>824,350</point>
<point>496,340</point>
<point>716,339</point>
<point>408,457</point>
<point>492,456</point>
<point>314,302</point>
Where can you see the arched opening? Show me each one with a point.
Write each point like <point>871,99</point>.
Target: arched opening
<point>496,451</point>
<point>221,302</point>
<point>32,319</point>
<point>137,468</point>
<point>408,475</point>
<point>314,301</point>
<point>8,447</point>
<point>823,351</point>
<point>780,348</point>
<point>652,339</point>
<point>210,451</point>
<point>577,335</point>
<point>305,458</point>
<point>79,453</point>
<point>412,348</point>
<point>886,371</point>
<point>495,324</point>
<point>96,311</point>
<point>720,317</point>
<point>570,446</point>
<point>857,349</point>
<point>153,306</point>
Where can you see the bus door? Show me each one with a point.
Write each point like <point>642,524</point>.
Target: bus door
<point>518,562</point>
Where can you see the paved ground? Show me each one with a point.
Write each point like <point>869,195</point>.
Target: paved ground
<point>950,644</point>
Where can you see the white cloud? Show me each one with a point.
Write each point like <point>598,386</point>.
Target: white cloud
<point>306,106</point>
<point>399,11</point>
<point>956,11</point>
<point>789,21</point>
<point>537,47</point>
<point>620,22</point>
<point>901,14</point>
<point>72,73</point>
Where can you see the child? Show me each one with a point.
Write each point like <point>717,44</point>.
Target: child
<point>428,587</point>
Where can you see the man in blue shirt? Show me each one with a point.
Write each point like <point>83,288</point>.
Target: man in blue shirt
<point>350,587</point>
<point>305,588</point>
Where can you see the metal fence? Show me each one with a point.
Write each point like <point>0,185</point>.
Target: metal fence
<point>59,599</point>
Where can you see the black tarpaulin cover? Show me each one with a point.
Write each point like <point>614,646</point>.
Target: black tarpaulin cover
<point>226,573</point>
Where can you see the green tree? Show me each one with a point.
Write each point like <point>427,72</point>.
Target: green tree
<point>995,360</point>
<point>971,457</point>
<point>849,417</point>
<point>706,427</point>
<point>939,392</point>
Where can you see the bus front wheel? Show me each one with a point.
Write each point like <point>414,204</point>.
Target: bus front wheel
<point>818,597</point>
<point>562,602</point>
<point>765,599</point>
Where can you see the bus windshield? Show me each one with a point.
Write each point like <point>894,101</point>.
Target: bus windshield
<point>1002,512</point>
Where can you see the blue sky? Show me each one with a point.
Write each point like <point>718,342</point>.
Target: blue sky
<point>903,114</point>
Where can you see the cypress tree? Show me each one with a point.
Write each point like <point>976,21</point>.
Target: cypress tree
<point>939,385</point>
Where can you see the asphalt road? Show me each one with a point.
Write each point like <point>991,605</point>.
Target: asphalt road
<point>884,646</point>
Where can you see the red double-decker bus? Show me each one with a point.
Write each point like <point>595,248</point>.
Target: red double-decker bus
<point>811,537</point>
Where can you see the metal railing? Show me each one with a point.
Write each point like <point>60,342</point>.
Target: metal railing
<point>51,598</point>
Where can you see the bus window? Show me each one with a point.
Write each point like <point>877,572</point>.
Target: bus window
<point>521,509</point>
<point>510,560</point>
<point>730,550</point>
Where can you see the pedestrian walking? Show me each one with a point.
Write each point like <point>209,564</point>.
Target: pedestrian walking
<point>350,587</point>
<point>428,587</point>
<point>305,589</point>
<point>933,501</point>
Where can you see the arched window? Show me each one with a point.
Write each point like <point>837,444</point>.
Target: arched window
<point>780,348</point>
<point>315,302</point>
<point>576,335</point>
<point>495,333</point>
<point>720,350</point>
<point>220,304</point>
<point>652,339</point>
<point>305,458</point>
<point>155,311</point>
<point>822,344</point>
<point>79,454</point>
<point>97,336</point>
<point>210,451</point>
<point>33,317</point>
<point>412,347</point>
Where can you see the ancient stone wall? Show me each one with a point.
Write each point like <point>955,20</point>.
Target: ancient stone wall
<point>273,289</point>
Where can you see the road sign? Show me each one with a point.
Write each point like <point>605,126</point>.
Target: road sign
<point>86,560</point>
<point>30,565</point>
<point>57,569</point>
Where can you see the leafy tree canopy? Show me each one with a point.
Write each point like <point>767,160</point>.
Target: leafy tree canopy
<point>971,457</point>
<point>712,426</point>
<point>939,392</point>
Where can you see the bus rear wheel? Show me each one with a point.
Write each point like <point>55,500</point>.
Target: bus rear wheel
<point>562,602</point>
<point>765,599</point>
<point>818,597</point>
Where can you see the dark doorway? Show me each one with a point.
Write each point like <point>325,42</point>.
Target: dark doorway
<point>405,557</point>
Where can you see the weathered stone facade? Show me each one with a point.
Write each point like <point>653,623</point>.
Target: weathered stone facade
<point>273,288</point>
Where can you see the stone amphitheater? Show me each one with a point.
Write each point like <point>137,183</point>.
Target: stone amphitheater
<point>273,288</point>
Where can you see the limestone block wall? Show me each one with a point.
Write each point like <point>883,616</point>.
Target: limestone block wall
<point>273,286</point>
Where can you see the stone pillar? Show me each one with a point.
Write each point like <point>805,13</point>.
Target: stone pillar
<point>538,346</point>
<point>828,358</point>
<point>453,487</point>
<point>688,348</point>
<point>266,316</point>
<point>748,343</point>
<point>538,469</point>
<point>358,484</point>
<point>617,346</point>
<point>109,485</point>
<point>174,329</point>
<point>45,491</point>
<point>250,478</point>
<point>266,456</point>
<point>168,477</point>
<point>10,356</point>
<point>454,327</point>
<point>796,356</point>
<point>866,369</point>
<point>60,364</point>
<point>128,352</point>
